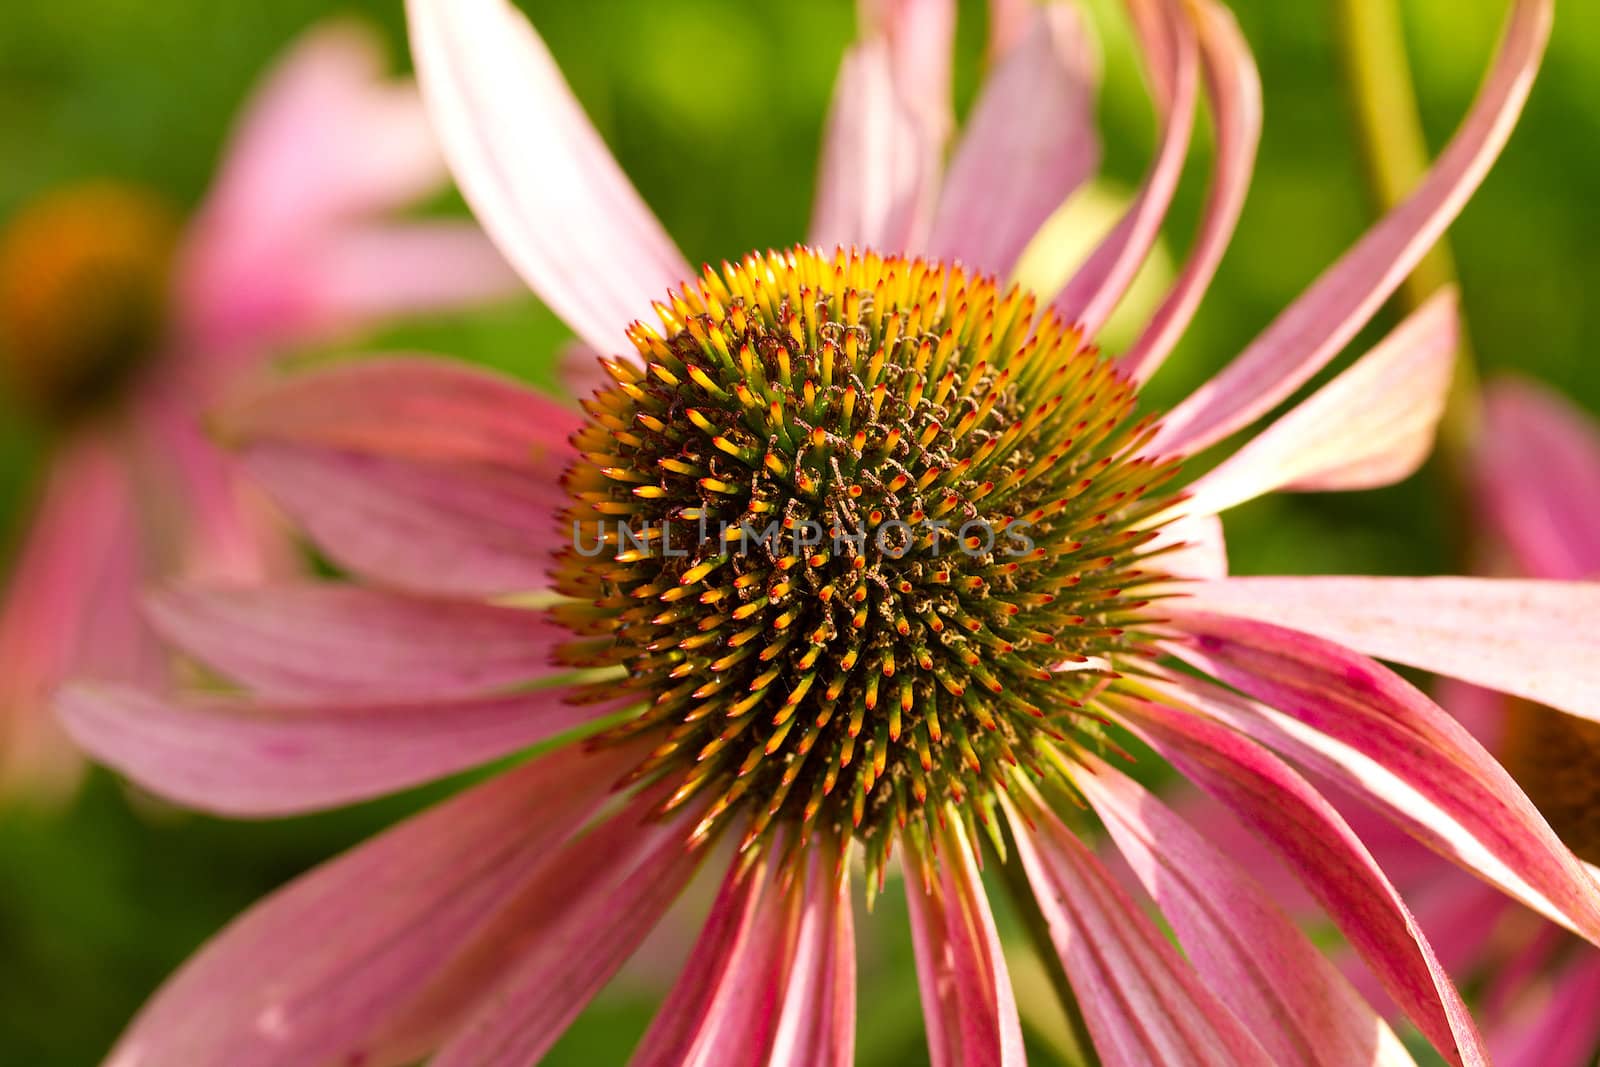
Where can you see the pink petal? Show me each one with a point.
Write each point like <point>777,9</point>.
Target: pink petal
<point>1324,319</point>
<point>1143,1002</point>
<point>604,893</point>
<point>1233,91</point>
<point>70,608</point>
<point>1565,1029</point>
<point>308,974</point>
<point>1536,470</point>
<point>1330,860</point>
<point>412,407</point>
<point>359,277</point>
<point>325,137</point>
<point>1008,25</point>
<point>921,36</point>
<point>1372,425</point>
<point>1259,963</point>
<point>249,759</point>
<point>879,159</point>
<point>817,1024</point>
<point>450,529</point>
<point>536,173</point>
<point>772,978</point>
<point>1363,727</point>
<point>967,1005</point>
<point>1166,36</point>
<point>1532,639</point>
<point>1202,551</point>
<point>1031,133</point>
<point>579,370</point>
<point>345,642</point>
<point>224,528</point>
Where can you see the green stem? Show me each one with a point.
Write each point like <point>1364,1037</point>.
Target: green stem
<point>1394,152</point>
<point>1082,1053</point>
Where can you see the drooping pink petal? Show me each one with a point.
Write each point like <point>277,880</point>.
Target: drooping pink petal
<point>1259,963</point>
<point>817,1021</point>
<point>1167,38</point>
<point>536,173</point>
<point>348,642</point>
<point>1330,860</point>
<point>251,759</point>
<point>1560,1029</point>
<point>604,893</point>
<point>1536,468</point>
<point>772,978</point>
<point>70,608</point>
<point>1031,133</point>
<point>413,407</point>
<point>306,975</point>
<point>880,159</point>
<point>1533,639</point>
<point>1324,319</point>
<point>1233,91</point>
<point>921,37</point>
<point>968,1008</point>
<point>1372,425</point>
<point>361,276</point>
<point>681,1030</point>
<point>421,526</point>
<point>1142,1001</point>
<point>1356,723</point>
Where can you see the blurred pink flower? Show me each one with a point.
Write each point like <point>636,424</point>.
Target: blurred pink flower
<point>741,699</point>
<point>119,331</point>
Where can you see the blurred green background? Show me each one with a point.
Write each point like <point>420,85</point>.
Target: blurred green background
<point>715,108</point>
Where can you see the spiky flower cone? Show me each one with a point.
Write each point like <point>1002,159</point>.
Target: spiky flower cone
<point>861,534</point>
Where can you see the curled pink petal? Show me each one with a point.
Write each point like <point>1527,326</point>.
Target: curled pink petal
<point>308,974</point>
<point>1324,319</point>
<point>602,895</point>
<point>1536,469</point>
<point>1258,962</point>
<point>251,759</point>
<point>1233,91</point>
<point>1372,425</point>
<point>1167,37</point>
<point>536,173</point>
<point>348,642</point>
<point>424,527</point>
<point>1142,1001</point>
<point>879,159</point>
<point>1541,642</point>
<point>1032,133</point>
<point>1358,724</point>
<point>817,1022</point>
<point>967,1005</point>
<point>410,407</point>
<point>1329,859</point>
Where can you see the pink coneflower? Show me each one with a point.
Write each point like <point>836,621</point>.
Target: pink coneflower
<point>818,706</point>
<point>118,326</point>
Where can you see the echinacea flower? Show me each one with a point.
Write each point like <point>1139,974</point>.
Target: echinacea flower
<point>119,327</point>
<point>724,591</point>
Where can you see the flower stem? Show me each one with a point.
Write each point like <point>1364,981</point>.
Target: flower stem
<point>1371,41</point>
<point>1082,1052</point>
